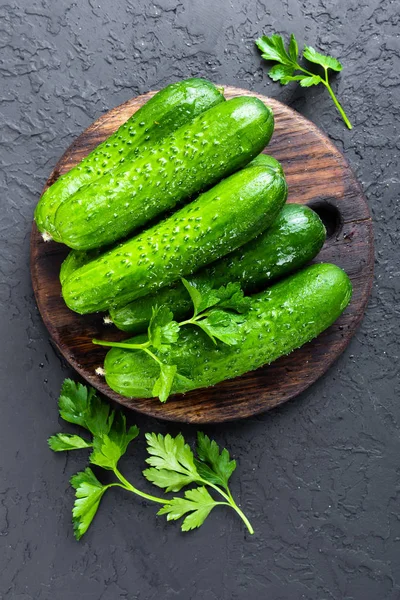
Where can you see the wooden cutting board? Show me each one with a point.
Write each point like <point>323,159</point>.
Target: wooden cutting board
<point>317,175</point>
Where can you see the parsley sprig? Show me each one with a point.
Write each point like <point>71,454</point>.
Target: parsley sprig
<point>172,463</point>
<point>273,49</point>
<point>173,466</point>
<point>216,311</point>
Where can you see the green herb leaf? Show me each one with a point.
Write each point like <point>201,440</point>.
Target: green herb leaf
<point>162,328</point>
<point>119,435</point>
<point>202,295</point>
<point>223,326</point>
<point>89,492</point>
<point>273,48</point>
<point>99,417</point>
<point>280,72</point>
<point>328,62</point>
<point>288,79</point>
<point>213,466</point>
<point>108,449</point>
<point>170,481</point>
<point>106,453</point>
<point>67,441</point>
<point>172,455</point>
<point>232,297</point>
<point>197,502</point>
<point>80,405</point>
<point>293,49</point>
<point>73,403</point>
<point>309,81</point>
<point>163,385</point>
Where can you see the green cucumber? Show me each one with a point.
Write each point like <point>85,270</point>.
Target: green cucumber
<point>194,157</point>
<point>230,214</point>
<point>294,238</point>
<point>281,319</point>
<point>78,258</point>
<point>74,261</point>
<point>169,109</point>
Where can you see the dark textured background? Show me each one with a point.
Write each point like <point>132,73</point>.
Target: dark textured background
<point>320,477</point>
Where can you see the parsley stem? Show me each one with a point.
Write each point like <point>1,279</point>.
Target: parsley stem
<point>331,92</point>
<point>129,346</point>
<point>305,70</point>
<point>231,503</point>
<point>192,320</point>
<point>153,356</point>
<point>336,101</point>
<point>126,345</point>
<point>128,486</point>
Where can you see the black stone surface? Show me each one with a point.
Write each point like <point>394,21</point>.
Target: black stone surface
<point>320,477</point>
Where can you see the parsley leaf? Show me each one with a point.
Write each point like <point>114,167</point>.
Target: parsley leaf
<point>80,405</point>
<point>197,502</point>
<point>326,61</point>
<point>217,323</point>
<point>67,441</point>
<point>281,73</point>
<point>108,449</point>
<point>273,48</point>
<point>202,295</point>
<point>232,297</point>
<point>119,435</point>
<point>309,81</point>
<point>213,465</point>
<point>106,453</point>
<point>73,402</point>
<point>172,461</point>
<point>162,328</point>
<point>89,492</point>
<point>173,466</point>
<point>223,326</point>
<point>171,454</point>
<point>163,385</point>
<point>99,417</point>
<point>293,49</point>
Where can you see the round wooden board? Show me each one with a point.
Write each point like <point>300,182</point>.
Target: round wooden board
<point>317,175</point>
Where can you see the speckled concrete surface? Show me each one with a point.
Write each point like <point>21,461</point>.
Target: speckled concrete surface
<point>319,478</point>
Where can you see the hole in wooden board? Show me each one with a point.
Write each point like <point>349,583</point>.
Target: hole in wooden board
<point>329,215</point>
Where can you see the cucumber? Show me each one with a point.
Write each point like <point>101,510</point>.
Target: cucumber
<point>295,237</point>
<point>195,156</point>
<point>220,220</point>
<point>169,109</point>
<point>78,258</point>
<point>74,261</point>
<point>281,319</point>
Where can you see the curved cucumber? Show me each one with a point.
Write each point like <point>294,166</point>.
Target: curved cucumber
<point>281,319</point>
<point>220,220</point>
<point>294,238</point>
<point>169,109</point>
<point>197,155</point>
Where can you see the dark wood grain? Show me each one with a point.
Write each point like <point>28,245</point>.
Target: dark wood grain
<point>317,175</point>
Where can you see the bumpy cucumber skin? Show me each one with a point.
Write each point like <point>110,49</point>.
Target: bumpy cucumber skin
<point>294,238</point>
<point>265,160</point>
<point>194,157</point>
<point>74,261</point>
<point>78,258</point>
<point>281,319</point>
<point>168,110</point>
<point>220,220</point>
